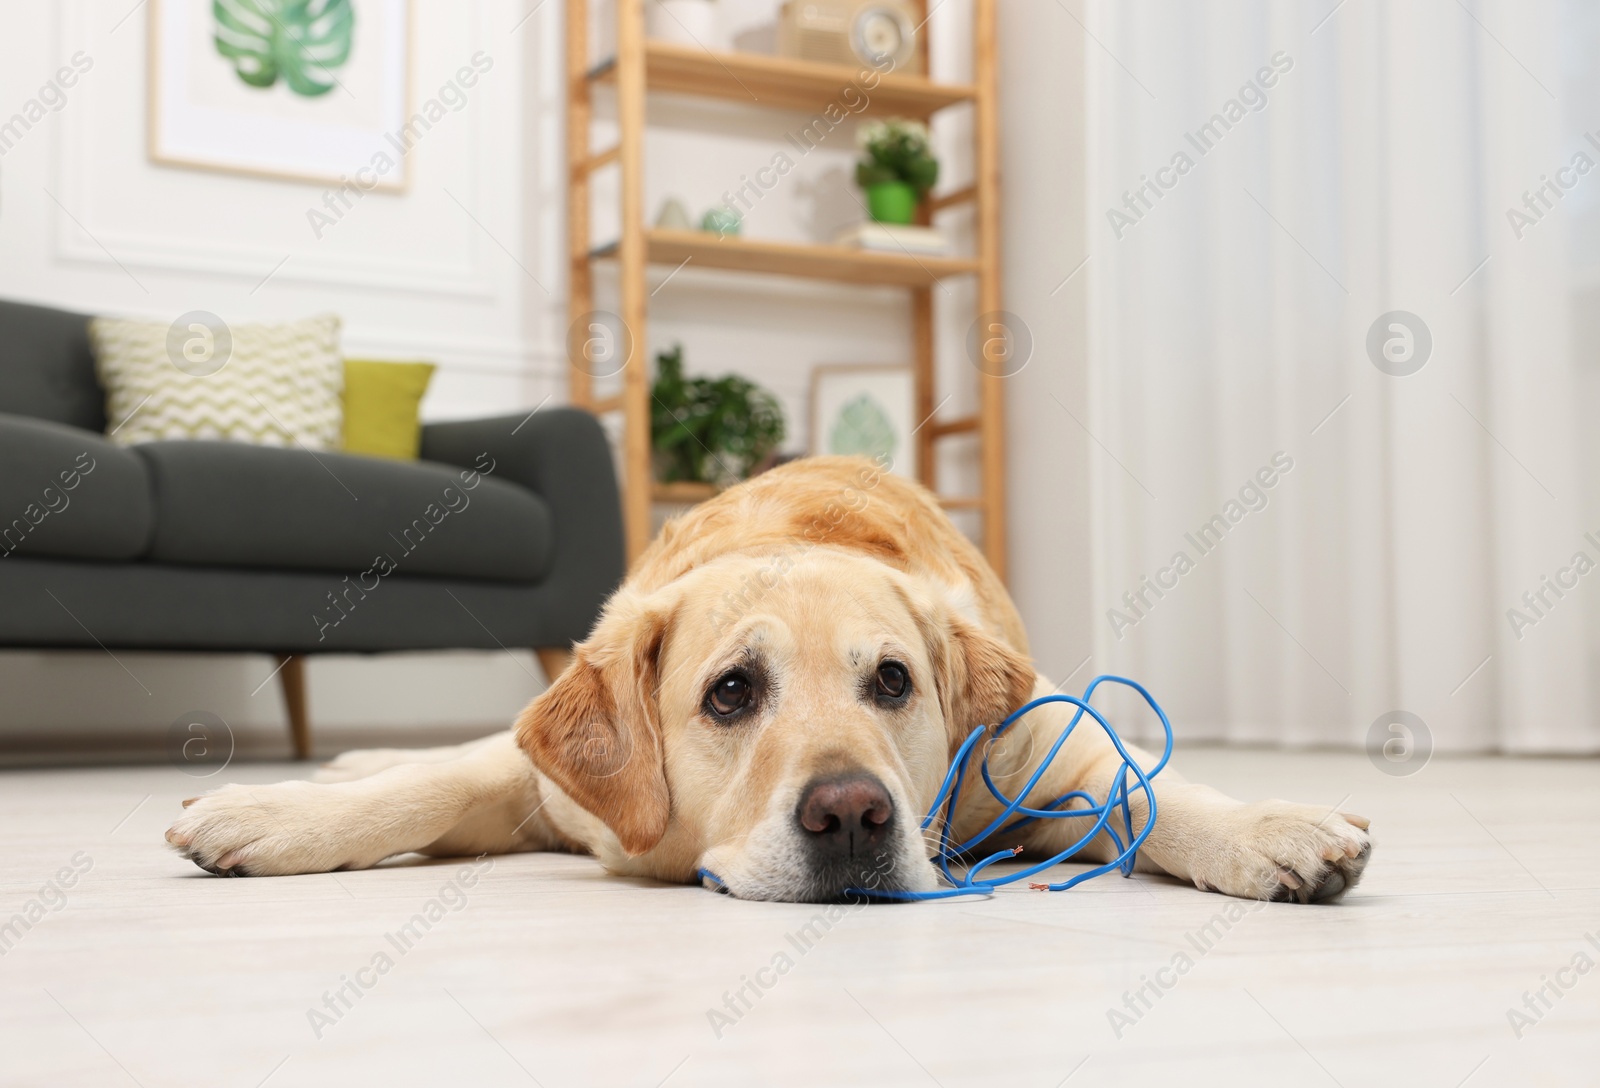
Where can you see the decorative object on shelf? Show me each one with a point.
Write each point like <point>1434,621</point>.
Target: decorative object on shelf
<point>865,411</point>
<point>878,33</point>
<point>895,238</point>
<point>684,22</point>
<point>673,215</point>
<point>721,220</point>
<point>709,430</point>
<point>759,38</point>
<point>264,88</point>
<point>898,170</point>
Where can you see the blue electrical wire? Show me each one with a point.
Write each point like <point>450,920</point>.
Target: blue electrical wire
<point>1120,797</point>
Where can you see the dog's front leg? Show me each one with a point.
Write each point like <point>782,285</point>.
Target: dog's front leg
<point>487,801</point>
<point>1260,850</point>
<point>1275,850</point>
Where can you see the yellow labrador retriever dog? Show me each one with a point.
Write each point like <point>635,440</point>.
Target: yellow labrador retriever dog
<point>774,695</point>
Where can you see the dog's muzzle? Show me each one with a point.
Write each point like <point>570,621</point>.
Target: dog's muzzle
<point>848,829</point>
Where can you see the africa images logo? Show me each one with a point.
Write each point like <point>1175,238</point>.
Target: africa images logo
<point>1399,343</point>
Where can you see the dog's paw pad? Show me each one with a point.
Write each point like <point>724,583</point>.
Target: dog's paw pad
<point>1332,886</point>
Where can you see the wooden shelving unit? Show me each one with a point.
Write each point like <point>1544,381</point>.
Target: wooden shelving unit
<point>640,67</point>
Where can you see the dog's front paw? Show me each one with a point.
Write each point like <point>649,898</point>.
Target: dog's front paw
<point>274,830</point>
<point>1287,852</point>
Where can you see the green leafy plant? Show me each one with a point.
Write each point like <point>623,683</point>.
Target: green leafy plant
<point>896,150</point>
<point>302,41</point>
<point>709,430</point>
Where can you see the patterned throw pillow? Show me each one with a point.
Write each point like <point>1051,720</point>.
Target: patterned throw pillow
<point>271,385</point>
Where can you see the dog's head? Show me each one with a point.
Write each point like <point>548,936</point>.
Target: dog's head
<point>783,722</point>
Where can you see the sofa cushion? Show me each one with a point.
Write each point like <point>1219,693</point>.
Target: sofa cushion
<point>268,385</point>
<point>46,367</point>
<point>231,504</point>
<point>68,493</point>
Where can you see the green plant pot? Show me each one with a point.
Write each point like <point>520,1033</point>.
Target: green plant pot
<point>892,202</point>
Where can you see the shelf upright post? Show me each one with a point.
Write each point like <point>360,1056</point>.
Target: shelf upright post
<point>580,277</point>
<point>923,376</point>
<point>991,391</point>
<point>922,385</point>
<point>637,474</point>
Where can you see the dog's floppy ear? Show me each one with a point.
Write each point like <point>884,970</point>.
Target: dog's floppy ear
<point>980,678</point>
<point>597,731</point>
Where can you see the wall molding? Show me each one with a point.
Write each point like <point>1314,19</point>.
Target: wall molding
<point>249,264</point>
<point>510,357</point>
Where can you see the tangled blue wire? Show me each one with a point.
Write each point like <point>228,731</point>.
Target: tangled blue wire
<point>1120,799</point>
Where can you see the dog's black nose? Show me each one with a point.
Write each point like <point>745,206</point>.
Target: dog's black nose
<point>845,816</point>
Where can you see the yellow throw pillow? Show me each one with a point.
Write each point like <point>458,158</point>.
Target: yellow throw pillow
<point>382,407</point>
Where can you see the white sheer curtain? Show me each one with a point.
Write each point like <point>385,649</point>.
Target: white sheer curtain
<point>1368,159</point>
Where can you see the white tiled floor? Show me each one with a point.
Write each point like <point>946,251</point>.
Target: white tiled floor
<point>551,973</point>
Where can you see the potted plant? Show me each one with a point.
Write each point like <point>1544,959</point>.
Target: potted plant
<point>898,169</point>
<point>709,430</point>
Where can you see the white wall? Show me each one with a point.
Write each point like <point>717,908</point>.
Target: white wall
<point>413,276</point>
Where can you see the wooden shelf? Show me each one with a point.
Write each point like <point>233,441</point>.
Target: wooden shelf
<point>843,264</point>
<point>788,84</point>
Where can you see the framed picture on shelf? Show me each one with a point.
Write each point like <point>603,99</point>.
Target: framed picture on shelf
<point>865,410</point>
<point>316,92</point>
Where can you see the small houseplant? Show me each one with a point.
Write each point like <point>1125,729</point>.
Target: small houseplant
<point>709,430</point>
<point>898,169</point>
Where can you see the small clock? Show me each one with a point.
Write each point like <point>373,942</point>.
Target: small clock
<point>882,32</point>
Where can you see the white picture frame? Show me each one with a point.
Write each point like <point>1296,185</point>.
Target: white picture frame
<point>852,404</point>
<point>203,115</point>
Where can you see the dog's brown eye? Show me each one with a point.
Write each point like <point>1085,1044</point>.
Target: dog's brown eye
<point>730,694</point>
<point>893,682</point>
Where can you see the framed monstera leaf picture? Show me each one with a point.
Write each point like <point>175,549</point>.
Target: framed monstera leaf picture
<point>313,90</point>
<point>865,411</point>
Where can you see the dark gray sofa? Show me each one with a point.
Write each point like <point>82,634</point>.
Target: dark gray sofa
<point>506,534</point>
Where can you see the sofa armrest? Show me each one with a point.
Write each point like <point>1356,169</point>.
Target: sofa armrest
<point>561,455</point>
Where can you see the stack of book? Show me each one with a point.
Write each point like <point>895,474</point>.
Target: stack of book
<point>895,238</point>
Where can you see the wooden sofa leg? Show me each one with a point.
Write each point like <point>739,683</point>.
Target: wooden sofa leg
<point>554,660</point>
<point>292,676</point>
